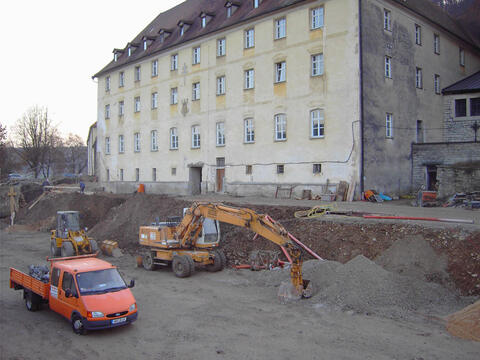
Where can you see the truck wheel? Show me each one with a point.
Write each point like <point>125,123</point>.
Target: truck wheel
<point>31,301</point>
<point>147,261</point>
<point>191,263</point>
<point>218,261</point>
<point>54,250</point>
<point>77,325</point>
<point>181,266</point>
<point>93,246</point>
<point>67,249</point>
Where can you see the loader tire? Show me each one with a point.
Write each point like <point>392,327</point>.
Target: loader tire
<point>219,261</point>
<point>32,301</point>
<point>67,249</point>
<point>147,261</point>
<point>181,266</point>
<point>54,250</point>
<point>93,246</point>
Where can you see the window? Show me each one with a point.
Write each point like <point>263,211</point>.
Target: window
<point>137,73</point>
<point>419,131</point>
<point>154,174</point>
<point>68,283</point>
<point>121,108</point>
<point>280,127</point>
<point>460,107</point>
<point>173,96</point>
<point>153,140</point>
<point>317,64</point>
<point>121,79</point>
<point>229,11</point>
<point>137,174</point>
<point>387,20</point>
<point>418,78</point>
<point>388,67</point>
<point>256,3</point>
<point>107,111</point>
<point>154,100</point>
<point>221,47</point>
<point>249,38</point>
<point>461,55</point>
<point>182,30</point>
<point>145,45</point>
<point>220,161</point>
<point>475,106</point>
<point>174,62</point>
<point>280,169</point>
<point>173,139</point>
<point>436,44</point>
<point>137,104</point>
<point>129,51</point>
<point>316,18</point>
<point>107,145</point>
<point>317,168</point>
<point>418,34</point>
<point>220,134</point>
<point>249,79</point>
<point>121,144</point>
<point>436,83</point>
<point>280,71</point>
<point>196,55</point>
<point>317,124</point>
<point>107,83</point>
<point>55,276</point>
<point>248,169</point>
<point>249,131</point>
<point>154,68</point>
<point>221,85</point>
<point>389,125</point>
<point>280,28</point>
<point>121,174</point>
<point>136,142</point>
<point>195,137</point>
<point>174,171</point>
<point>204,21</point>
<point>195,91</point>
<point>108,174</point>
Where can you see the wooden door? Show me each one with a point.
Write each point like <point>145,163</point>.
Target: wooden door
<point>220,176</point>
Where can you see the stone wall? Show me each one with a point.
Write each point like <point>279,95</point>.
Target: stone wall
<point>458,179</point>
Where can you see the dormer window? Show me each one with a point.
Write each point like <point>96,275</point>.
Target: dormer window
<point>115,57</point>
<point>205,18</point>
<point>131,48</point>
<point>163,34</point>
<point>147,41</point>
<point>116,54</point>
<point>129,51</point>
<point>231,6</point>
<point>256,3</point>
<point>204,21</point>
<point>184,25</point>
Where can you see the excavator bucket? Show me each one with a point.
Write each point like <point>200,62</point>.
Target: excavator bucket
<point>288,292</point>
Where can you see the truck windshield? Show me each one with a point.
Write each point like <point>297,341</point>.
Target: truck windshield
<point>100,281</point>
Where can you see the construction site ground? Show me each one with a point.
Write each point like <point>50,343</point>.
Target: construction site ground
<point>383,293</point>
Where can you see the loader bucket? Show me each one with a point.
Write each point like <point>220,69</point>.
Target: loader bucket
<point>287,292</point>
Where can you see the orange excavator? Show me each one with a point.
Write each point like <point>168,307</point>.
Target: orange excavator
<point>188,242</point>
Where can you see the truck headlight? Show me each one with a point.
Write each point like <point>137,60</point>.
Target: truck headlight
<point>132,307</point>
<point>95,314</point>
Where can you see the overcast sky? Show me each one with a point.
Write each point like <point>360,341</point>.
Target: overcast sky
<point>51,49</point>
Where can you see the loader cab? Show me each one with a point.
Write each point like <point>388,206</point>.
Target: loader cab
<point>210,231</point>
<point>67,220</point>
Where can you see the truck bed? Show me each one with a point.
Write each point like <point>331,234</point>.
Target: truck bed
<point>20,280</point>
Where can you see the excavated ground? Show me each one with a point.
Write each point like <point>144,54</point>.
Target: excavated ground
<point>116,217</point>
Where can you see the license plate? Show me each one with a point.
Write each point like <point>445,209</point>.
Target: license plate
<point>119,320</point>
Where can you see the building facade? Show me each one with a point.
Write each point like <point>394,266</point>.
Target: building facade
<point>245,96</point>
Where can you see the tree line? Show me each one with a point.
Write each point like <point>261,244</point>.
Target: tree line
<point>35,142</point>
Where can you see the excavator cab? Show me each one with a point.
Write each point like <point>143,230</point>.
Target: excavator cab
<point>210,231</point>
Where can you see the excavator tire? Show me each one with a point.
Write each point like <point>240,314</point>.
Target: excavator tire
<point>54,250</point>
<point>181,266</point>
<point>147,261</point>
<point>191,263</point>
<point>218,261</point>
<point>67,249</point>
<point>93,246</point>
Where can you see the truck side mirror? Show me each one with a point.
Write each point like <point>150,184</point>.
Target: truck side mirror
<point>68,293</point>
<point>132,283</point>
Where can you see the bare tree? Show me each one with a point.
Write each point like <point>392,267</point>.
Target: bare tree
<point>76,153</point>
<point>37,137</point>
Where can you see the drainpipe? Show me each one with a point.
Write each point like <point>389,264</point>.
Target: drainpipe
<point>360,54</point>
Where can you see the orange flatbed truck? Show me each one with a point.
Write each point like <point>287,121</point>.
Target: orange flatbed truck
<point>89,292</point>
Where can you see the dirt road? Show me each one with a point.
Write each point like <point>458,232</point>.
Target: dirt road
<point>224,315</point>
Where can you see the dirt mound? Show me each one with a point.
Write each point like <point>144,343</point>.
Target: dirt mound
<point>122,223</point>
<point>92,208</point>
<point>466,322</point>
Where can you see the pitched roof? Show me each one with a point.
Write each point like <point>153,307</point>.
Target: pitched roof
<point>190,10</point>
<point>468,85</point>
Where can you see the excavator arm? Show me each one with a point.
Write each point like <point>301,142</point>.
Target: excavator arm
<point>191,225</point>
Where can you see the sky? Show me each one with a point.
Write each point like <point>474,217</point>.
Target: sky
<point>51,49</point>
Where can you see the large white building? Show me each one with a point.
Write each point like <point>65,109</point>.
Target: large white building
<point>246,96</point>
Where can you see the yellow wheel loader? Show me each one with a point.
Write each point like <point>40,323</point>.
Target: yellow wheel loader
<point>194,239</point>
<point>68,239</point>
